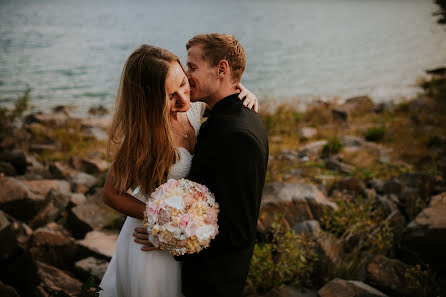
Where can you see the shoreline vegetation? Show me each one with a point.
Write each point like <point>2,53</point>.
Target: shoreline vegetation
<point>354,200</point>
<point>442,11</point>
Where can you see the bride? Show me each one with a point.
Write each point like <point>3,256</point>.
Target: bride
<point>155,128</point>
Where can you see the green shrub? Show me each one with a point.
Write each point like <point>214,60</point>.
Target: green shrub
<point>362,229</point>
<point>423,281</point>
<point>435,88</point>
<point>357,221</point>
<point>282,121</point>
<point>375,134</point>
<point>333,147</point>
<point>90,288</point>
<point>289,259</point>
<point>21,104</point>
<point>7,117</point>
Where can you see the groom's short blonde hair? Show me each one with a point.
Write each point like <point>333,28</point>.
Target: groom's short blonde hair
<point>219,47</point>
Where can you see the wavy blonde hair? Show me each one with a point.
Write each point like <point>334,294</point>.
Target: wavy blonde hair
<point>141,126</point>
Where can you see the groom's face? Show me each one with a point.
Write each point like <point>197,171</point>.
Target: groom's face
<point>202,76</point>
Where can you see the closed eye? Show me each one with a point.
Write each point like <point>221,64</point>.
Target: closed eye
<point>183,82</point>
<point>190,67</point>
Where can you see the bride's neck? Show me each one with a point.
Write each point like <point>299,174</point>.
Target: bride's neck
<point>174,116</point>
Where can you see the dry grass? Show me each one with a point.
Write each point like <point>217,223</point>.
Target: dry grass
<point>71,139</point>
<point>413,132</point>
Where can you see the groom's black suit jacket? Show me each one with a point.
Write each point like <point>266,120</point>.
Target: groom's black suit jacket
<point>231,157</point>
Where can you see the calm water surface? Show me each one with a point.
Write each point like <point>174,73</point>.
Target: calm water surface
<point>72,52</point>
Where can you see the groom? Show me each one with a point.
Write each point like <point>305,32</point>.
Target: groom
<point>230,158</point>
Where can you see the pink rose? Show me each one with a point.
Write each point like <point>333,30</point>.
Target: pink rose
<point>152,210</point>
<point>188,201</point>
<point>164,217</point>
<point>199,196</point>
<point>201,188</point>
<point>191,228</point>
<point>170,184</point>
<point>211,216</point>
<point>215,230</point>
<point>184,220</point>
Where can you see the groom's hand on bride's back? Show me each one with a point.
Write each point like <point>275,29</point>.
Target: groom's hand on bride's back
<point>142,237</point>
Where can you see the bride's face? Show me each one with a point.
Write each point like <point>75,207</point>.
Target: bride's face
<point>177,89</point>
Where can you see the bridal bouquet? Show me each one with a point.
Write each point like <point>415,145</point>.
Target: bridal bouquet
<point>181,217</point>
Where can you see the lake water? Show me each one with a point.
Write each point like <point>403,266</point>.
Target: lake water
<point>72,52</point>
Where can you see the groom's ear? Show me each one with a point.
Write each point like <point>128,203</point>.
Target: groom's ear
<point>223,68</point>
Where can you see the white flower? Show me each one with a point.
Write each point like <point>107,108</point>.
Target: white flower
<point>175,230</point>
<point>204,232</point>
<point>175,202</point>
<point>154,240</point>
<point>211,200</point>
<point>181,251</point>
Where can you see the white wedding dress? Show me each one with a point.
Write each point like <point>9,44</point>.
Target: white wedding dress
<point>134,273</point>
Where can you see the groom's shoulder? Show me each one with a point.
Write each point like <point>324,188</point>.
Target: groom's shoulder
<point>237,116</point>
<point>239,120</point>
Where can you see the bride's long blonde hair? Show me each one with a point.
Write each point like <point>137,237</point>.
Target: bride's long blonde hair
<point>141,127</point>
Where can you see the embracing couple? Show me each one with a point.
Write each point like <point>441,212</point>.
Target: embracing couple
<point>159,135</point>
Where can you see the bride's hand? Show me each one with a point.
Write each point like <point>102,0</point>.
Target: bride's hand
<point>251,99</point>
<point>142,237</point>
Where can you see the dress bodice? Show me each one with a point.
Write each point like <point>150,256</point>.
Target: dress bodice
<point>181,168</point>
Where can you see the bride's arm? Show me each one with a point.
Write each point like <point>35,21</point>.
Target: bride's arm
<point>122,202</point>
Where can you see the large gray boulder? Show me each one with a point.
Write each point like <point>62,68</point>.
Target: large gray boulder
<point>330,251</point>
<point>91,266</point>
<point>98,121</point>
<point>17,200</point>
<point>54,120</point>
<point>312,150</point>
<point>16,158</point>
<point>426,235</point>
<point>99,243</point>
<point>61,170</point>
<point>412,190</point>
<point>342,288</point>
<point>388,275</point>
<point>20,271</point>
<point>7,169</point>
<point>310,228</point>
<point>351,186</point>
<point>44,186</point>
<point>295,202</point>
<point>90,166</point>
<point>307,132</point>
<point>8,238</point>
<point>77,199</point>
<point>335,164</point>
<point>53,245</point>
<point>56,282</point>
<point>353,107</point>
<point>93,215</point>
<point>82,182</point>
<point>56,203</point>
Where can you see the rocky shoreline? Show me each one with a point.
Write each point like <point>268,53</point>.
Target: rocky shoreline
<point>355,205</point>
